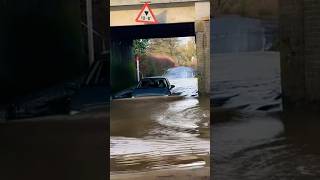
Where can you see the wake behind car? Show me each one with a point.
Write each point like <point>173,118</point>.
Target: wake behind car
<point>153,86</point>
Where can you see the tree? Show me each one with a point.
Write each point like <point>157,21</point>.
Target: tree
<point>155,65</point>
<point>188,52</point>
<point>140,46</point>
<point>167,47</point>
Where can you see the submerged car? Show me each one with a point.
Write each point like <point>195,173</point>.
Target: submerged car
<point>153,86</point>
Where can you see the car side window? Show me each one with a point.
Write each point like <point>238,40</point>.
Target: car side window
<point>162,83</point>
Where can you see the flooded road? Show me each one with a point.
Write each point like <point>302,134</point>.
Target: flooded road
<point>252,137</point>
<point>159,133</point>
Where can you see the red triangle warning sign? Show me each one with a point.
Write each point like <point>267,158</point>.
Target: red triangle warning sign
<point>146,15</point>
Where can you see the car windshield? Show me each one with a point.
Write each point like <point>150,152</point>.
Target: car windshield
<point>152,83</point>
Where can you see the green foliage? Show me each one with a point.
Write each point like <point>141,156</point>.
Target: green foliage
<point>157,55</point>
<point>140,46</point>
<point>122,66</point>
<point>172,47</point>
<point>165,46</point>
<point>122,76</point>
<point>187,53</point>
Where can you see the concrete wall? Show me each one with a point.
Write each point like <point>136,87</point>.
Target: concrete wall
<point>312,49</point>
<point>183,11</point>
<point>241,34</point>
<point>202,29</point>
<point>135,2</point>
<point>164,13</point>
<point>300,52</point>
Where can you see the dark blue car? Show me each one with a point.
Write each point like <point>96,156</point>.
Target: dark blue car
<point>153,86</point>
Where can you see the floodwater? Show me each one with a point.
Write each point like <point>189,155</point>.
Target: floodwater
<point>161,132</point>
<point>251,137</point>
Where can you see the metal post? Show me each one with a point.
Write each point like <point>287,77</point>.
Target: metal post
<point>138,69</point>
<point>90,31</point>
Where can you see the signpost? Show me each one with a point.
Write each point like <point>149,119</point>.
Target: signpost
<point>146,15</point>
<point>138,69</point>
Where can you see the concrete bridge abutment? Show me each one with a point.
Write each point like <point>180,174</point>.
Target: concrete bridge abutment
<point>300,53</point>
<point>202,34</point>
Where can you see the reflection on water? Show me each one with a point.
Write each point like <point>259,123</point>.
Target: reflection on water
<point>158,133</point>
<point>252,137</point>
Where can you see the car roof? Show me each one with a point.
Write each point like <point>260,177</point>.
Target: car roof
<point>155,77</point>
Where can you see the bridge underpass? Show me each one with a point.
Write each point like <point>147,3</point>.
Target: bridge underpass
<point>176,19</point>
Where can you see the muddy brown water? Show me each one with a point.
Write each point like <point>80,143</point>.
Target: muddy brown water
<point>252,138</point>
<point>159,133</point>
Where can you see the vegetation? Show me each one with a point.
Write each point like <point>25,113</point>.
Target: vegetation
<point>164,46</point>
<point>122,76</point>
<point>157,55</point>
<point>182,54</point>
<point>151,65</point>
<point>140,46</point>
<point>123,73</point>
<point>188,54</point>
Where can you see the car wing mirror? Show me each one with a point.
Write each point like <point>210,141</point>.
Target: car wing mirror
<point>172,86</point>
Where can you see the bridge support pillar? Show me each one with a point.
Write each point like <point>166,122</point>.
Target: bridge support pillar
<point>202,31</point>
<point>300,53</point>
